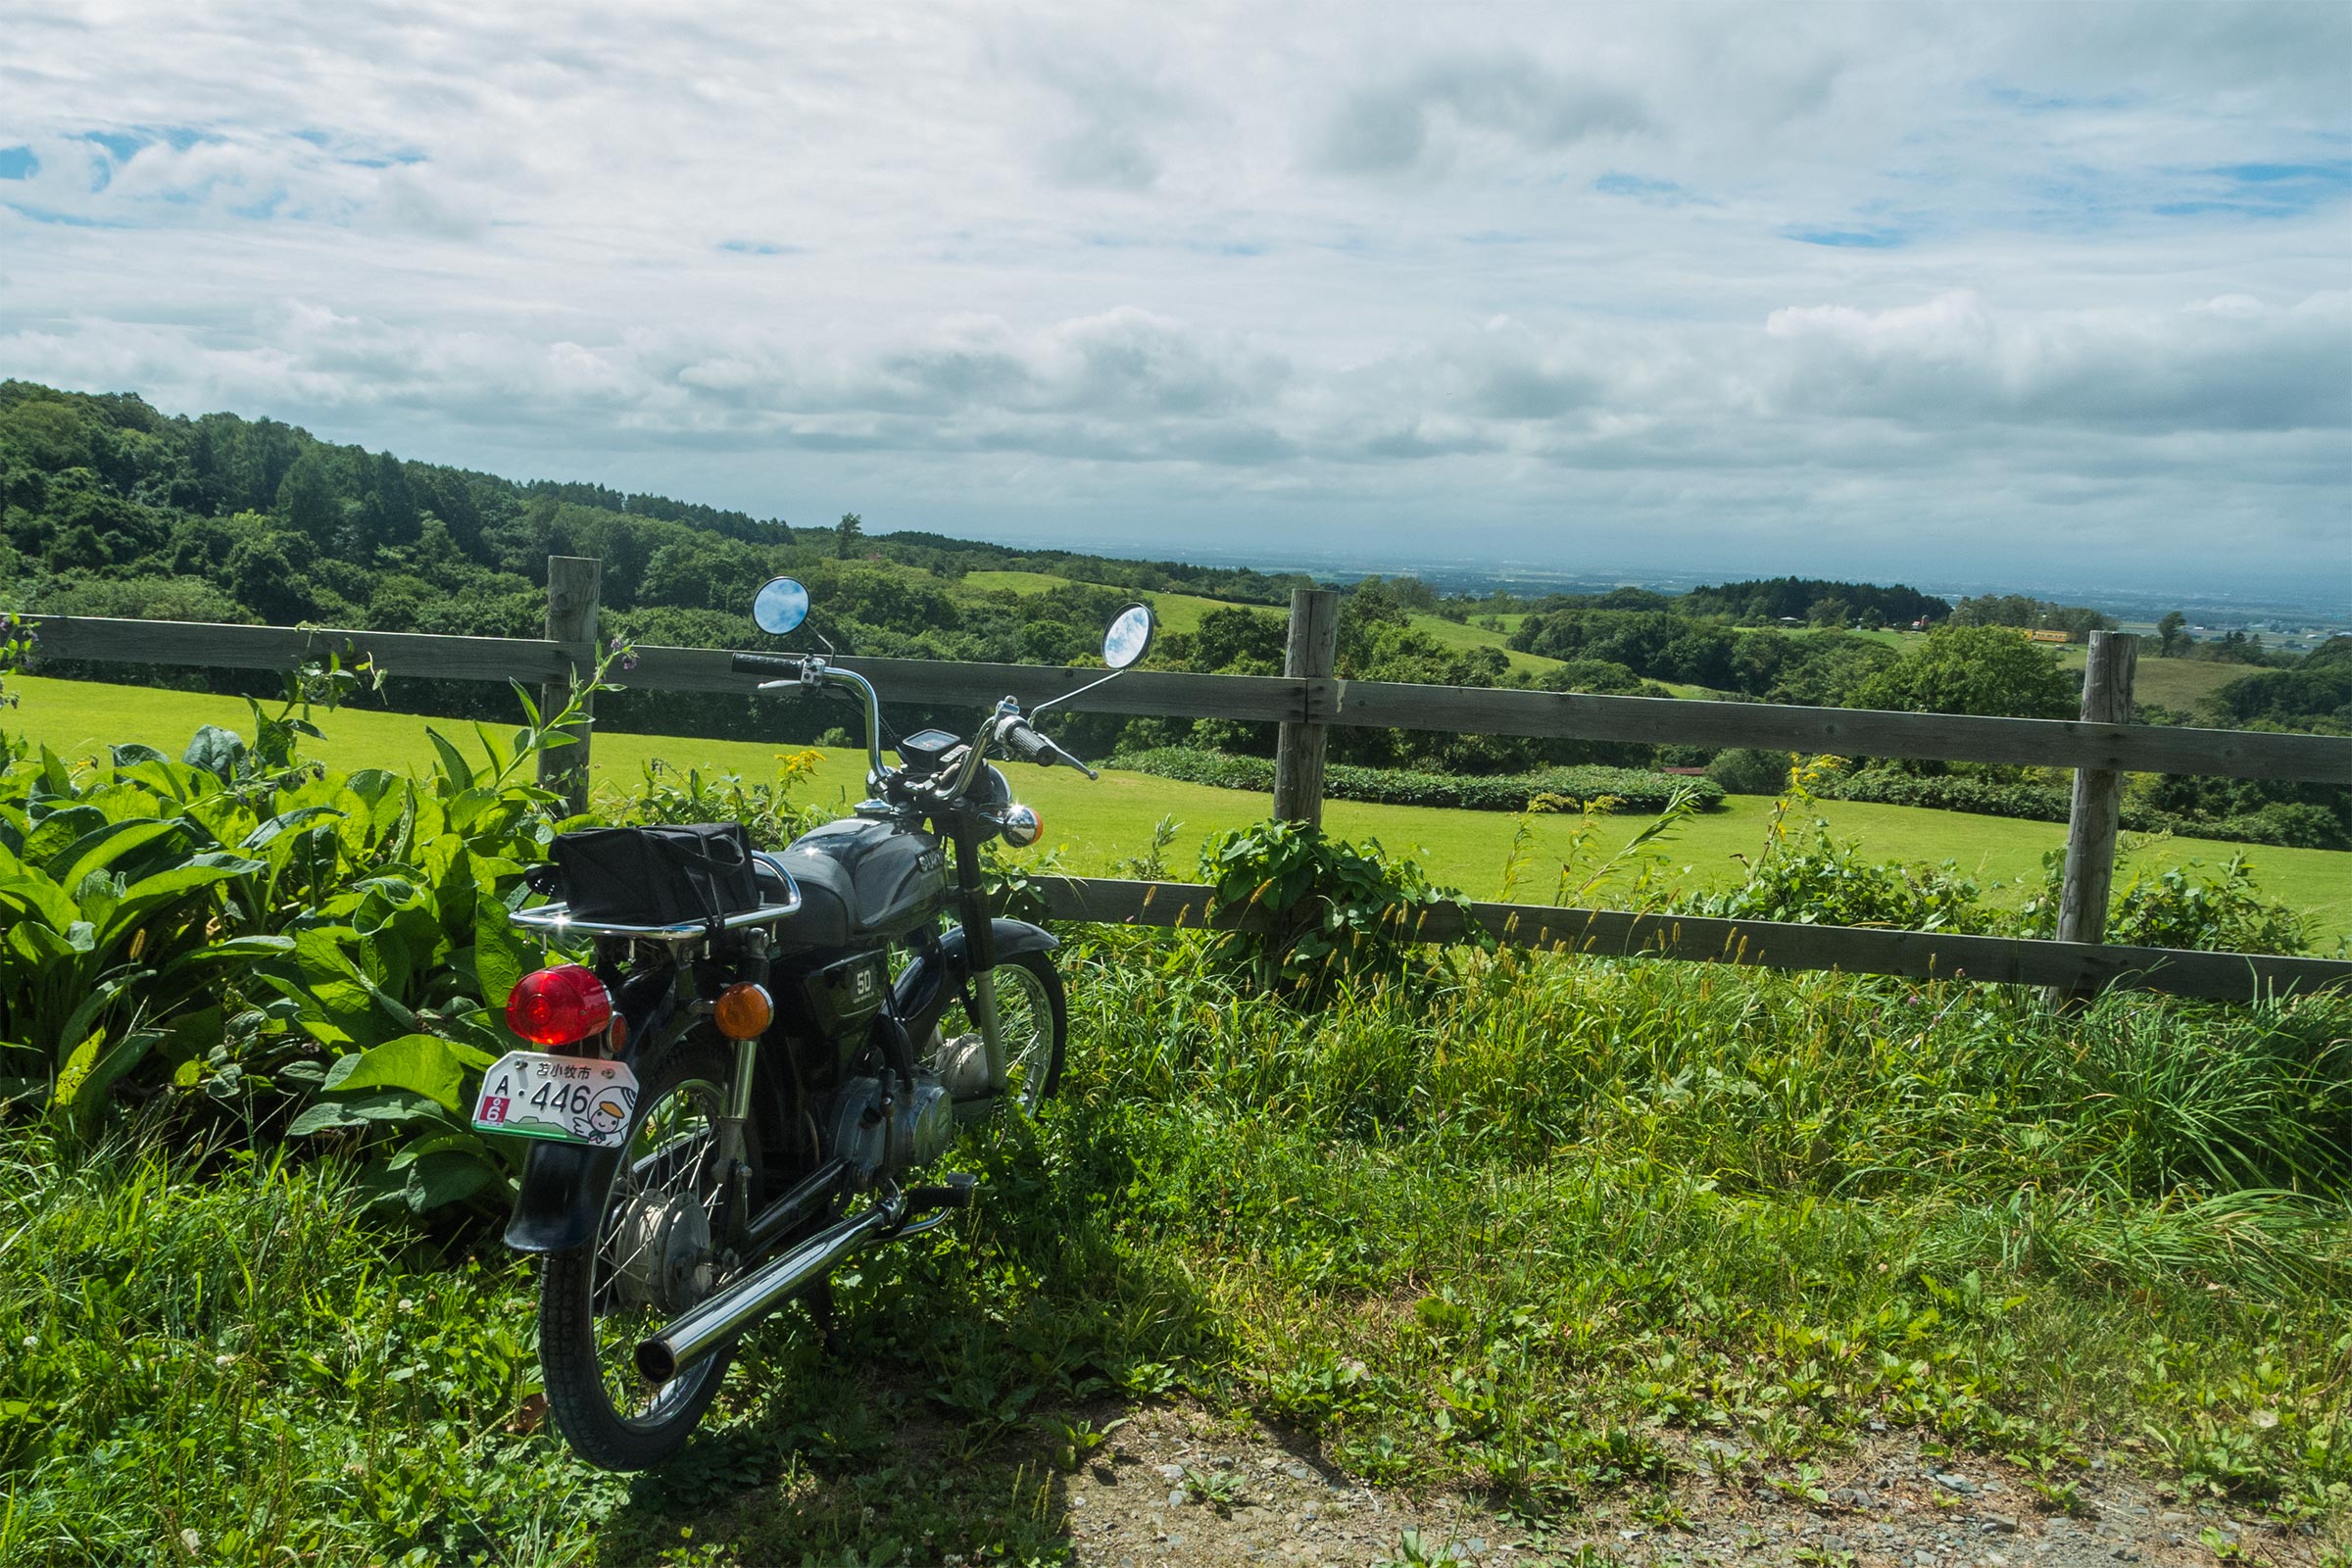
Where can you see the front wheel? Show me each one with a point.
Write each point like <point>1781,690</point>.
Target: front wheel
<point>1034,1016</point>
<point>655,1254</point>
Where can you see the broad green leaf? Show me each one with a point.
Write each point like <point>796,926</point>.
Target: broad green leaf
<point>436,1179</point>
<point>501,955</point>
<point>75,1070</point>
<point>220,751</point>
<point>454,766</point>
<point>389,1107</point>
<point>99,849</point>
<point>420,1065</point>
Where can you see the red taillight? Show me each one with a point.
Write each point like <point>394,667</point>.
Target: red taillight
<point>557,1006</point>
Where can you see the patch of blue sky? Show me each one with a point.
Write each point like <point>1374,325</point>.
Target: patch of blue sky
<point>120,144</point>
<point>17,162</point>
<point>755,247</point>
<point>1654,192</point>
<point>2034,103</point>
<point>327,141</point>
<point>40,215</point>
<point>1867,239</point>
<point>2262,190</point>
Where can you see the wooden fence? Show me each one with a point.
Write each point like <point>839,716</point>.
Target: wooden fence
<point>1304,701</point>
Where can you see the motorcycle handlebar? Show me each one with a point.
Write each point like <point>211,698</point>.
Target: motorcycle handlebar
<point>1023,740</point>
<point>781,666</point>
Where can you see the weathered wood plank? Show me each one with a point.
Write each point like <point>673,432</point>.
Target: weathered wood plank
<point>1847,732</point>
<point>1766,944</point>
<point>217,647</point>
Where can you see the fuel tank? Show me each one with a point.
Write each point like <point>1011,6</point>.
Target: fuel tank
<point>861,879</point>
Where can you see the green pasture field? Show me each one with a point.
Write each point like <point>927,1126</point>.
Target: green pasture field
<point>1456,634</point>
<point>1095,827</point>
<point>1175,611</point>
<point>2176,683</point>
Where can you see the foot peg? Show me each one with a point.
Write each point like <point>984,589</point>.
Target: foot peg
<point>956,1190</point>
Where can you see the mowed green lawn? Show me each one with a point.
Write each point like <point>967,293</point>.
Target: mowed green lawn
<point>1096,826</point>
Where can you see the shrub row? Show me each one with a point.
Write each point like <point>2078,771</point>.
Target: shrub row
<point>2286,824</point>
<point>1633,789</point>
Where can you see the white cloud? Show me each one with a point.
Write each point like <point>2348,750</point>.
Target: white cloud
<point>1920,283</point>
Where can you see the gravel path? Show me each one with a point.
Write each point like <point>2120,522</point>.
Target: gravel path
<point>1891,1505</point>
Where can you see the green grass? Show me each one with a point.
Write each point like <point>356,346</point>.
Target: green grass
<point>1094,826</point>
<point>1520,1229</point>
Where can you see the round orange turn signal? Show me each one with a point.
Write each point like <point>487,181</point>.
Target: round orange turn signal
<point>743,1011</point>
<point>1023,826</point>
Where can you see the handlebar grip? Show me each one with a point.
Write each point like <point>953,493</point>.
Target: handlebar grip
<point>782,666</point>
<point>1031,747</point>
<point>1028,745</point>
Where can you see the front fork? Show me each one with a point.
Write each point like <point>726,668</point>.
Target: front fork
<point>733,1141</point>
<point>980,953</point>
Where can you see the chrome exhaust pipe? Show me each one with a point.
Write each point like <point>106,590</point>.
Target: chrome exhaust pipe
<point>708,1325</point>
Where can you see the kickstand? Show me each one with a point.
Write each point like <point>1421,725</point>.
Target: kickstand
<point>819,1298</point>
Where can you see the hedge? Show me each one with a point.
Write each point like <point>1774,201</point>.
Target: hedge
<point>2289,825</point>
<point>1634,789</point>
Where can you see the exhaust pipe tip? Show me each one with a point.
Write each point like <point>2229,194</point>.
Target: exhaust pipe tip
<point>657,1362</point>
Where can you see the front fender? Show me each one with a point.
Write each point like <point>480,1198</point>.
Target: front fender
<point>927,985</point>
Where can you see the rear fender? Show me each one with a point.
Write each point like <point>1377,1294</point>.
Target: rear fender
<point>933,980</point>
<point>563,1185</point>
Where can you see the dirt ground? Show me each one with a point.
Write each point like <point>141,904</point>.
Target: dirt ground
<point>1179,1488</point>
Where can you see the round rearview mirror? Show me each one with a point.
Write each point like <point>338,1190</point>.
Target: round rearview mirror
<point>1129,636</point>
<point>780,606</point>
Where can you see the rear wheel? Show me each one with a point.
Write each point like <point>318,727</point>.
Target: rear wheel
<point>655,1254</point>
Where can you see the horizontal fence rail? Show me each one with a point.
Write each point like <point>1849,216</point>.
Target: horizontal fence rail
<point>1273,699</point>
<point>2068,966</point>
<point>1304,703</point>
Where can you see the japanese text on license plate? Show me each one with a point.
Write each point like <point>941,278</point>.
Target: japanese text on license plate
<point>568,1100</point>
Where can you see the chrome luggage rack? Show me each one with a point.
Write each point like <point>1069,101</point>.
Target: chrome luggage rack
<point>555,920</point>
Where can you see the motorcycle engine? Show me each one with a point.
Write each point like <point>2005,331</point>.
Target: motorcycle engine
<point>925,1119</point>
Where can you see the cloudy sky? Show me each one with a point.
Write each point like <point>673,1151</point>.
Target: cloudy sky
<point>2018,294</point>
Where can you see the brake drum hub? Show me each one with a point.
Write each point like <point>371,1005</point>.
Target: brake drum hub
<point>664,1240</point>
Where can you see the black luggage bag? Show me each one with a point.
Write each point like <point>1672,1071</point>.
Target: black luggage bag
<point>701,871</point>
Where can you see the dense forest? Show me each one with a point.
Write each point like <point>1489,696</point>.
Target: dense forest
<point>110,508</point>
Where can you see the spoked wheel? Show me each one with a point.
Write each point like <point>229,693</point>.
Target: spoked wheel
<point>1035,1016</point>
<point>655,1256</point>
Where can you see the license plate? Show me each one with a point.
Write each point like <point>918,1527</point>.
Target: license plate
<point>568,1100</point>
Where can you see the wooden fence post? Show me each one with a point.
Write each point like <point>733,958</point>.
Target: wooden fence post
<point>572,584</point>
<point>1310,654</point>
<point>2098,800</point>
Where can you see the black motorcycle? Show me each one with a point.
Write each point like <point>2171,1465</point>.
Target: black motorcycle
<point>725,1100</point>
